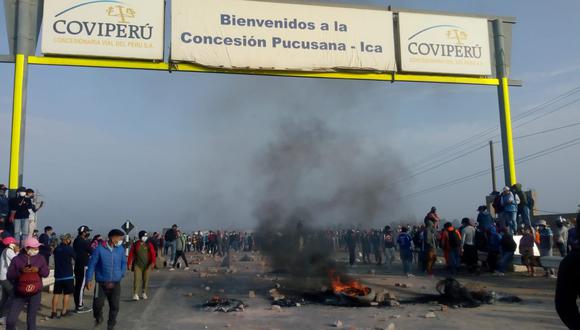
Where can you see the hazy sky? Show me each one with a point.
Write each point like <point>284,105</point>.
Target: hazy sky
<point>105,145</point>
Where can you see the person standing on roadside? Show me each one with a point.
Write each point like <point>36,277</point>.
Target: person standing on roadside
<point>432,217</point>
<point>4,209</point>
<point>509,202</point>
<point>63,276</point>
<point>405,242</point>
<point>45,248</point>
<point>141,262</point>
<point>8,254</point>
<point>430,247</point>
<point>108,264</point>
<point>180,250</point>
<point>26,272</point>
<point>170,242</point>
<point>82,248</point>
<point>468,245</point>
<point>561,236</point>
<point>20,207</point>
<point>546,241</point>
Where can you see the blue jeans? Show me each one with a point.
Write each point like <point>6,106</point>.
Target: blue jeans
<point>21,229</point>
<point>507,258</point>
<point>510,221</point>
<point>170,246</point>
<point>454,260</point>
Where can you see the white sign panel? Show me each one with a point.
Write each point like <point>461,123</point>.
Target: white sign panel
<point>104,28</point>
<point>281,36</point>
<point>444,44</point>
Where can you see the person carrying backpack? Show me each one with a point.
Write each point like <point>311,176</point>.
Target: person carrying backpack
<point>25,273</point>
<point>451,244</point>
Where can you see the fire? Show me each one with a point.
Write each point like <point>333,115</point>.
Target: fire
<point>349,287</point>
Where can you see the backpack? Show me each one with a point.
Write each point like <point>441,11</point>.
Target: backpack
<point>453,239</point>
<point>29,283</point>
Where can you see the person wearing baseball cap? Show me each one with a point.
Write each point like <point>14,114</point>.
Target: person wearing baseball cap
<point>108,265</point>
<point>26,272</point>
<point>63,276</point>
<point>83,250</point>
<point>546,243</point>
<point>10,251</point>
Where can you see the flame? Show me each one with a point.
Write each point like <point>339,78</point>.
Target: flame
<point>349,287</point>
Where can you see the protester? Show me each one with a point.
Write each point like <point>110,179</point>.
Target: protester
<point>572,236</point>
<point>526,249</point>
<point>180,251</point>
<point>484,219</point>
<point>96,241</point>
<point>389,246</point>
<point>20,207</point>
<point>568,289</point>
<point>141,262</point>
<point>82,248</point>
<point>64,280</point>
<point>4,208</point>
<point>351,245</point>
<point>432,217</point>
<point>430,247</point>
<point>451,244</point>
<point>524,205</point>
<point>509,202</point>
<point>508,248</point>
<point>493,249</point>
<point>8,254</point>
<point>405,243</point>
<point>170,244</point>
<point>32,219</point>
<point>546,237</point>
<point>45,248</point>
<point>25,273</point>
<point>561,236</point>
<point>468,246</point>
<point>377,242</point>
<point>108,265</point>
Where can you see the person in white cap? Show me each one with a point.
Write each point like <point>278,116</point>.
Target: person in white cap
<point>509,202</point>
<point>546,240</point>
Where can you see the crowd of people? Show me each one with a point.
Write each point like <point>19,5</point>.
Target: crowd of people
<point>86,262</point>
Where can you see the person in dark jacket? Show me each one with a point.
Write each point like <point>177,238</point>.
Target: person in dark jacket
<point>20,207</point>
<point>64,280</point>
<point>170,244</point>
<point>27,262</point>
<point>82,248</point>
<point>351,244</point>
<point>568,289</point>
<point>108,264</point>
<point>4,208</point>
<point>508,248</point>
<point>45,248</point>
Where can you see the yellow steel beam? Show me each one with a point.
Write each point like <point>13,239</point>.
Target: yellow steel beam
<point>187,67</point>
<point>509,141</point>
<point>17,110</point>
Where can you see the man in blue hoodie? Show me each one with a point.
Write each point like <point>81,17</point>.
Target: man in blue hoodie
<point>108,264</point>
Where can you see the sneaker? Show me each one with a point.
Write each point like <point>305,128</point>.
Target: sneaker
<point>135,297</point>
<point>410,275</point>
<point>171,269</point>
<point>144,296</point>
<point>53,316</point>
<point>186,268</point>
<point>83,309</point>
<point>553,276</point>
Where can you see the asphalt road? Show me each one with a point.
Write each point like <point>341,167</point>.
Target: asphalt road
<point>175,299</point>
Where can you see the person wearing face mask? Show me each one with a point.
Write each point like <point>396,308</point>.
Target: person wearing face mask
<point>141,262</point>
<point>32,219</point>
<point>4,208</point>
<point>108,264</point>
<point>64,280</point>
<point>82,248</point>
<point>25,273</point>
<point>7,289</point>
<point>20,207</point>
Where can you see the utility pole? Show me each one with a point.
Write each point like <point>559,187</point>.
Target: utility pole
<point>504,105</point>
<point>492,158</point>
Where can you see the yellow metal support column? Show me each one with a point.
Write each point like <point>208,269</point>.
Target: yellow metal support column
<point>18,119</point>
<point>508,138</point>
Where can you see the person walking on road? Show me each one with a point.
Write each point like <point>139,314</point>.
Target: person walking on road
<point>8,254</point>
<point>141,262</point>
<point>405,242</point>
<point>25,273</point>
<point>64,280</point>
<point>180,250</point>
<point>170,242</point>
<point>82,248</point>
<point>108,264</point>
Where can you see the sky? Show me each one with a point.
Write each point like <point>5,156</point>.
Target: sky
<point>159,148</point>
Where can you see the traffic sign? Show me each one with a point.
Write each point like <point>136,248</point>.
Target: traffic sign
<point>127,227</point>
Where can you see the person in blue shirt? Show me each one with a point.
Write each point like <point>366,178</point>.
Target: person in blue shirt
<point>405,242</point>
<point>546,241</point>
<point>493,249</point>
<point>509,202</point>
<point>64,279</point>
<point>108,265</point>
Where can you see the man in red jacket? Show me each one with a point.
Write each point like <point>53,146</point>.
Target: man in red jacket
<point>141,261</point>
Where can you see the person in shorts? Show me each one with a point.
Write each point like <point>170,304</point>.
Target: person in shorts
<point>64,278</point>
